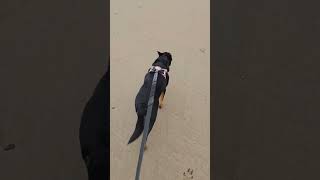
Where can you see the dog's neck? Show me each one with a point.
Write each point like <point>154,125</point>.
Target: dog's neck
<point>160,62</point>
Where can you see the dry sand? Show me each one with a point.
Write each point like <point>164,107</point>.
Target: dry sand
<point>180,138</point>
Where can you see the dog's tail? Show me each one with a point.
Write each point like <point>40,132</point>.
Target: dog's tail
<point>138,130</point>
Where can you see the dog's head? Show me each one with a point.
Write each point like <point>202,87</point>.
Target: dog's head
<point>165,58</point>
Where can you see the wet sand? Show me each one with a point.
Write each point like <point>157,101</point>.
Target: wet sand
<point>180,138</point>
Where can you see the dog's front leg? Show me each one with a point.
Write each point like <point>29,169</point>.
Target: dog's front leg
<point>161,99</point>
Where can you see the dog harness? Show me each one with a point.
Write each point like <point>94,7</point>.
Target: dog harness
<point>159,69</point>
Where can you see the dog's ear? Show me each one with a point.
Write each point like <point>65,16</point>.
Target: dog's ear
<point>169,57</point>
<point>160,53</point>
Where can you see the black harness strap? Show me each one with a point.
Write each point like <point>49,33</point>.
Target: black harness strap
<point>146,123</point>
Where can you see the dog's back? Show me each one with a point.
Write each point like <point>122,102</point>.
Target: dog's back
<point>142,97</point>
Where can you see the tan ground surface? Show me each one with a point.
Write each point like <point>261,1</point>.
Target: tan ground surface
<point>180,138</point>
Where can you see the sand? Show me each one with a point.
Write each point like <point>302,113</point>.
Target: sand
<point>180,138</point>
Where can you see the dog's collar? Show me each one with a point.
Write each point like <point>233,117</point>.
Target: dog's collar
<point>162,71</point>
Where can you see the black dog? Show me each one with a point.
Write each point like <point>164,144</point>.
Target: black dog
<point>161,64</point>
<point>94,131</point>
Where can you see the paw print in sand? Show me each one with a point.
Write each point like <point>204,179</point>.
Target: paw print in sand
<point>188,174</point>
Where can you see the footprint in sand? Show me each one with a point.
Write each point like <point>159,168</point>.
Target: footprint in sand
<point>203,50</point>
<point>187,175</point>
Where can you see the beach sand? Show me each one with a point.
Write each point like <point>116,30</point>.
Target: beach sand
<point>180,138</point>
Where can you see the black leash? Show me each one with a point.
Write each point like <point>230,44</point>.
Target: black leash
<point>146,123</point>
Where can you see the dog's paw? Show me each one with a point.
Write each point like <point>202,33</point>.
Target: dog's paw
<point>187,175</point>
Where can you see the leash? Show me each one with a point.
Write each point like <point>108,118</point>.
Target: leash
<point>146,123</point>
